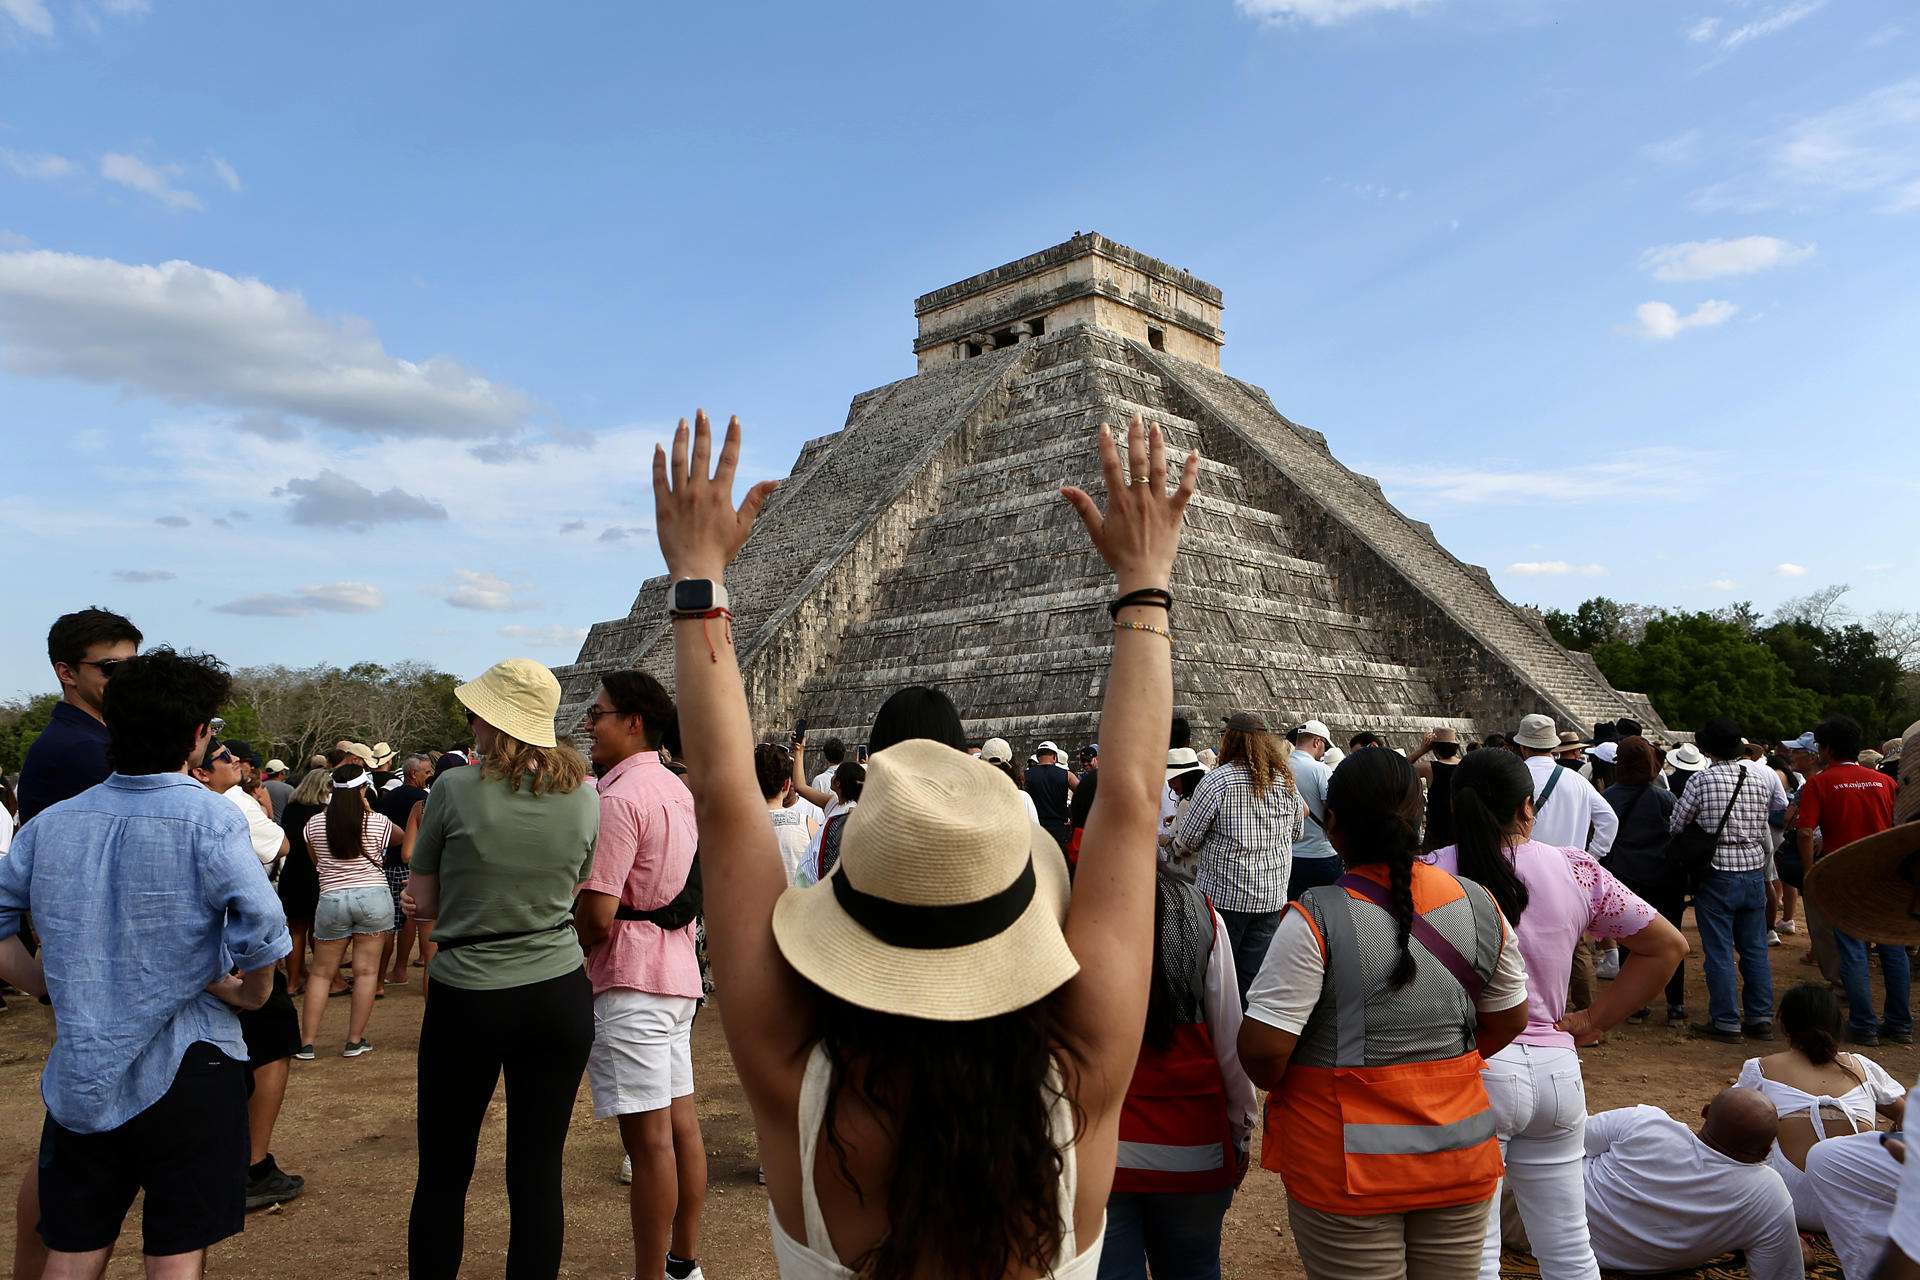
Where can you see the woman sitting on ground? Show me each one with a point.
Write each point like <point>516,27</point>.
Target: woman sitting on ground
<point>934,1044</point>
<point>1819,1091</point>
<point>1553,898</point>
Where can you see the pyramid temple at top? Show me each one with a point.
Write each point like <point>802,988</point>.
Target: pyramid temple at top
<point>925,543</point>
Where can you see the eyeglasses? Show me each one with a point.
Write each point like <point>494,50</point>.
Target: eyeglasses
<point>107,665</point>
<point>223,756</point>
<point>594,714</point>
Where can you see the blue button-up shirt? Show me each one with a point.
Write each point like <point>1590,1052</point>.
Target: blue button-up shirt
<point>69,756</point>
<point>143,890</point>
<point>1311,777</point>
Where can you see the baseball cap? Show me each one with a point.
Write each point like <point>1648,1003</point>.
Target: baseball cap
<point>1318,729</point>
<point>1247,722</point>
<point>1606,752</point>
<point>276,765</point>
<point>997,750</point>
<point>1046,746</point>
<point>1804,742</point>
<point>242,751</point>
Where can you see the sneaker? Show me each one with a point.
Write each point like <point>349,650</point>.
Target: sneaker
<point>1707,1031</point>
<point>1640,1015</point>
<point>355,1048</point>
<point>275,1186</point>
<point>304,1053</point>
<point>1868,1038</point>
<point>1773,937</point>
<point>1896,1037</point>
<point>1607,966</point>
<point>1758,1031</point>
<point>1676,1013</point>
<point>695,1274</point>
<point>1789,926</point>
<point>626,1171</point>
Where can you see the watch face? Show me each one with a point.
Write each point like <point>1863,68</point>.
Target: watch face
<point>693,595</point>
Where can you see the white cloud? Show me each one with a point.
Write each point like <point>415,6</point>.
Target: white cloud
<point>1681,148</point>
<point>1659,320</point>
<point>228,175</point>
<point>547,637</point>
<point>1637,475</point>
<point>1868,148</point>
<point>30,15</point>
<point>42,166</point>
<point>143,575</point>
<point>1787,569</point>
<point>193,335</point>
<point>1884,36</point>
<point>1771,24</point>
<point>1704,30</point>
<point>330,597</point>
<point>1322,13</point>
<point>1556,567</point>
<point>1711,259</point>
<point>14,240</point>
<point>1722,584</point>
<point>153,180</point>
<point>333,501</point>
<point>475,590</point>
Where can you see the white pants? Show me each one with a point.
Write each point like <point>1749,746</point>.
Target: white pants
<point>1855,1181</point>
<point>1540,1113</point>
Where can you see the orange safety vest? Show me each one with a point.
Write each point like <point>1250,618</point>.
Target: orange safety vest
<point>1414,1133</point>
<point>1175,1133</point>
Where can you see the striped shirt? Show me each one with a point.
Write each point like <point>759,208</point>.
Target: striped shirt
<point>1743,844</point>
<point>1243,841</point>
<point>353,871</point>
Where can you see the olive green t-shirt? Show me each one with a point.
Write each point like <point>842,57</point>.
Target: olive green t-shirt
<point>508,862</point>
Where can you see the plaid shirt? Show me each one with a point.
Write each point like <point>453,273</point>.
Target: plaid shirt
<point>1743,845</point>
<point>1244,841</point>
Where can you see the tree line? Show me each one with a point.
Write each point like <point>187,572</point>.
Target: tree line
<point>294,712</point>
<point>1777,674</point>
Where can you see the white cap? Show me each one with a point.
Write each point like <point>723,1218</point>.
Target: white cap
<point>1046,746</point>
<point>1606,752</point>
<point>1318,729</point>
<point>997,750</point>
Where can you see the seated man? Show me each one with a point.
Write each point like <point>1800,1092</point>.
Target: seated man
<point>1662,1198</point>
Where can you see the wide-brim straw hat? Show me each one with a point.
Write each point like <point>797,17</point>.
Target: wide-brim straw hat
<point>947,901</point>
<point>382,755</point>
<point>1687,758</point>
<point>519,697</point>
<point>1871,889</point>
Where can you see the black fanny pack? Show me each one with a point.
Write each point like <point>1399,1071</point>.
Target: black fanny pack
<point>676,914</point>
<point>449,944</point>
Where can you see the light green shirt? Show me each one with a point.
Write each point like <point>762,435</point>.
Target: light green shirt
<point>508,862</point>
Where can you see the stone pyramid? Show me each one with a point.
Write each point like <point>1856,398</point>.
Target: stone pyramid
<point>925,543</point>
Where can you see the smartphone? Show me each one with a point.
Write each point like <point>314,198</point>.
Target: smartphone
<point>799,730</point>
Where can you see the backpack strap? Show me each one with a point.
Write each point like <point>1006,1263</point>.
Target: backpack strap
<point>1553,780</point>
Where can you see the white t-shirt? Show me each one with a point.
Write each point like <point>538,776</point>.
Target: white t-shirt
<point>265,833</point>
<point>1221,1000</point>
<point>790,829</point>
<point>1903,1232</point>
<point>1659,1199</point>
<point>6,830</point>
<point>1571,810</point>
<point>1287,987</point>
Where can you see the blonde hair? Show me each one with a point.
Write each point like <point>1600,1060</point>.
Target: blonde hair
<point>1263,756</point>
<point>313,788</point>
<point>556,769</point>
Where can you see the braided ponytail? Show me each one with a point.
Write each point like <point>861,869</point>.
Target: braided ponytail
<point>1374,798</point>
<point>1488,791</point>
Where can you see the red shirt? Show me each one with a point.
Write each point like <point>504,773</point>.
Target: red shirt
<point>1846,802</point>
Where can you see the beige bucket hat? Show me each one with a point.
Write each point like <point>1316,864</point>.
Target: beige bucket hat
<point>947,901</point>
<point>1537,733</point>
<point>1871,888</point>
<point>519,697</point>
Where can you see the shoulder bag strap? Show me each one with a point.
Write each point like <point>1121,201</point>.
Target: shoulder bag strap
<point>1431,938</point>
<point>1726,813</point>
<point>1553,780</point>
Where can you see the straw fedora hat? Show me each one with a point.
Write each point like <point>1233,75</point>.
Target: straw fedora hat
<point>519,697</point>
<point>947,901</point>
<point>1871,888</point>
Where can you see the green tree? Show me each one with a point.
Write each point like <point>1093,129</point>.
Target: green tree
<point>20,724</point>
<point>1593,623</point>
<point>1694,666</point>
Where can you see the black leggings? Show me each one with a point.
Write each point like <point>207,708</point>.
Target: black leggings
<point>540,1035</point>
<point>1670,900</point>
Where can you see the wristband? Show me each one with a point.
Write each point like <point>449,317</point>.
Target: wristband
<point>1156,597</point>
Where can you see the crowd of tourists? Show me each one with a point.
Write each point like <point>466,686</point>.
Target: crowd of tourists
<point>992,1018</point>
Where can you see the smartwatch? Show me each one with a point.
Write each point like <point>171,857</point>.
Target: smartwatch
<point>696,598</point>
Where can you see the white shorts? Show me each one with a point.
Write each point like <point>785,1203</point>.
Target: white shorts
<point>642,1057</point>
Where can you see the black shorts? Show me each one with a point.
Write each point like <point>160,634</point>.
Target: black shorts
<point>272,1030</point>
<point>188,1152</point>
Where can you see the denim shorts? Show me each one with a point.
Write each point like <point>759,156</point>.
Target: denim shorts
<point>345,912</point>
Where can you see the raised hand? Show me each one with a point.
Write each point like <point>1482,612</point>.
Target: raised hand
<point>1138,534</point>
<point>700,528</point>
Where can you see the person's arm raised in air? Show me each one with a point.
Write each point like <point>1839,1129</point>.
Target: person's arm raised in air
<point>1109,922</point>
<point>770,1021</point>
<point>801,787</point>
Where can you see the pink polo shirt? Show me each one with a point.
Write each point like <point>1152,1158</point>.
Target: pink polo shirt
<point>643,854</point>
<point>1568,895</point>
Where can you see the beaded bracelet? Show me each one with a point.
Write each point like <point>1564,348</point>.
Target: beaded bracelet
<point>1145,626</point>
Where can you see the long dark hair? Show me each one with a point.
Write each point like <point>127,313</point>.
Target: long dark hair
<point>1810,1016</point>
<point>917,711</point>
<point>976,1175</point>
<point>1373,799</point>
<point>347,815</point>
<point>1487,795</point>
<point>1169,913</point>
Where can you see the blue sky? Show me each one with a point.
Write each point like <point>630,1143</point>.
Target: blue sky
<point>329,335</point>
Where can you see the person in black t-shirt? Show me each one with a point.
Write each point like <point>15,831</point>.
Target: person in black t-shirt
<point>1050,785</point>
<point>396,804</point>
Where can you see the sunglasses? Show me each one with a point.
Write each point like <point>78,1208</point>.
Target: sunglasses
<point>107,665</point>
<point>223,756</point>
<point>594,714</point>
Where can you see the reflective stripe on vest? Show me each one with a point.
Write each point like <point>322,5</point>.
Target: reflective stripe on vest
<point>1412,1134</point>
<point>1155,1157</point>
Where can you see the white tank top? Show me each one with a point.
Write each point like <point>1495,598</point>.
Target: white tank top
<point>815,1259</point>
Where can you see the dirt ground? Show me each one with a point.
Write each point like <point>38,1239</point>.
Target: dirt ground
<point>348,1129</point>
